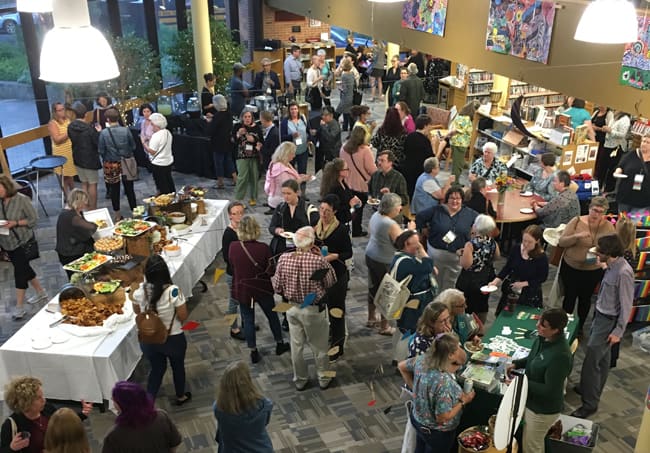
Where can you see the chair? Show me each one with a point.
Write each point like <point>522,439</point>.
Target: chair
<point>27,188</point>
<point>49,163</point>
<point>439,116</point>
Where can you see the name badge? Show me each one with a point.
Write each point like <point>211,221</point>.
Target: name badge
<point>449,237</point>
<point>638,181</point>
<point>591,258</point>
<point>298,141</point>
<point>249,147</point>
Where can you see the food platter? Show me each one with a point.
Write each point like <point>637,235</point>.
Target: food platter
<point>132,227</point>
<point>109,244</point>
<point>88,262</point>
<point>373,201</point>
<point>161,200</point>
<point>471,347</point>
<point>106,287</point>
<point>84,312</point>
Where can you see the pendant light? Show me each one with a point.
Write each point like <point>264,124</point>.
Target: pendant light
<point>608,22</point>
<point>34,6</point>
<point>386,1</point>
<point>74,51</point>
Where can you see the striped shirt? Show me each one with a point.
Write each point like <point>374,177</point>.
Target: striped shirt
<point>18,207</point>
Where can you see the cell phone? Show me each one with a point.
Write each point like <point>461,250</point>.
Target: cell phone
<point>25,434</point>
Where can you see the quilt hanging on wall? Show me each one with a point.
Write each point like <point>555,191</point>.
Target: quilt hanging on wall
<point>521,28</point>
<point>425,15</point>
<point>635,71</point>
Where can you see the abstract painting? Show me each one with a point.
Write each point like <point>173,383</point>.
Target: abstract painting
<point>635,71</point>
<point>521,28</point>
<point>425,15</point>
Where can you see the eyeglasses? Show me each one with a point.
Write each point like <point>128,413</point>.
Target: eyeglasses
<point>597,210</point>
<point>60,110</point>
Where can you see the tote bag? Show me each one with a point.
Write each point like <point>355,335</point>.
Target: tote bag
<point>393,294</point>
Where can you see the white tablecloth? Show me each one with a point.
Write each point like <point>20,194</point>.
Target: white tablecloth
<point>88,367</point>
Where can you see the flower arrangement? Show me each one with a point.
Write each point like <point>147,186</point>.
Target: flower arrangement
<point>504,183</point>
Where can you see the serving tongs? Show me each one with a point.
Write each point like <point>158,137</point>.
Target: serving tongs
<point>63,319</point>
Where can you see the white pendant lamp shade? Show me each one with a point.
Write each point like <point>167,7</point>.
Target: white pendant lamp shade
<point>386,1</point>
<point>34,6</point>
<point>74,51</point>
<point>608,22</point>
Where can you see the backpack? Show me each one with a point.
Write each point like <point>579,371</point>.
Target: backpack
<point>151,329</point>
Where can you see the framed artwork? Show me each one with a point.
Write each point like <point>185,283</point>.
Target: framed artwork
<point>314,22</point>
<point>593,152</point>
<point>521,28</point>
<point>425,15</point>
<point>568,158</point>
<point>581,154</point>
<point>635,70</point>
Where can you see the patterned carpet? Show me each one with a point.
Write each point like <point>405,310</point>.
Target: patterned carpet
<point>339,419</point>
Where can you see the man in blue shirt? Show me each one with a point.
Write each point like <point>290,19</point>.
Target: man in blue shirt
<point>293,72</point>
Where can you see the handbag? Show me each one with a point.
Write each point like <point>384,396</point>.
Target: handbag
<point>393,294</point>
<point>556,295</point>
<point>356,97</point>
<point>129,164</point>
<point>260,284</point>
<point>151,329</point>
<point>30,247</point>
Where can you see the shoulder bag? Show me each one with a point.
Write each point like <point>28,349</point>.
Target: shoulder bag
<point>362,174</point>
<point>31,246</point>
<point>129,164</point>
<point>393,294</point>
<point>151,329</point>
<point>261,283</point>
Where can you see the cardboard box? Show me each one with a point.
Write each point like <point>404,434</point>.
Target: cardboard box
<point>568,422</point>
<point>98,216</point>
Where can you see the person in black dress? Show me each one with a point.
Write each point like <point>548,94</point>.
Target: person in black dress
<point>333,182</point>
<point>207,106</point>
<point>417,148</point>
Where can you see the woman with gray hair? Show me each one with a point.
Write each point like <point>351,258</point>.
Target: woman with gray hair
<point>74,234</point>
<point>251,284</point>
<point>159,150</point>
<point>476,259</point>
<point>219,127</point>
<point>383,231</point>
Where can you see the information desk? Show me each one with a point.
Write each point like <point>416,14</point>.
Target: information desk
<point>485,403</point>
<point>88,367</point>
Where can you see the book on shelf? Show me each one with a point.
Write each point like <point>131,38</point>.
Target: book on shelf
<point>562,119</point>
<point>580,133</point>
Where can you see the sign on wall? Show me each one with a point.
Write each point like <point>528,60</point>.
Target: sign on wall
<point>425,15</point>
<point>635,71</point>
<point>521,28</point>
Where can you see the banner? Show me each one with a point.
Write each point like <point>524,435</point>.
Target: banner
<point>635,71</point>
<point>425,15</point>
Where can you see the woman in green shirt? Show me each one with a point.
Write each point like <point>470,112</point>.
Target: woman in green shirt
<point>459,136</point>
<point>547,367</point>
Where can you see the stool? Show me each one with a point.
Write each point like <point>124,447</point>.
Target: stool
<point>49,163</point>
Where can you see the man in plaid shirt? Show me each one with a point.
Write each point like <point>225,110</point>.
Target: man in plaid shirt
<point>309,324</point>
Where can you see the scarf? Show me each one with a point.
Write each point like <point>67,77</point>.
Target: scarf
<point>323,232</point>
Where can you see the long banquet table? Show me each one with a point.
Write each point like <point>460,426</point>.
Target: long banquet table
<point>88,367</point>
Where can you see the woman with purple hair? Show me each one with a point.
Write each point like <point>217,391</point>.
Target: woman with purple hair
<point>139,426</point>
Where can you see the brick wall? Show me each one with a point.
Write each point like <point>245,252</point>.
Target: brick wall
<point>282,30</point>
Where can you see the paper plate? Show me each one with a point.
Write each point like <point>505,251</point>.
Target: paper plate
<point>471,347</point>
<point>526,194</point>
<point>41,343</point>
<point>619,175</point>
<point>287,235</point>
<point>552,235</point>
<point>373,201</point>
<point>593,250</point>
<point>526,210</point>
<point>4,222</point>
<point>488,288</point>
<point>313,178</point>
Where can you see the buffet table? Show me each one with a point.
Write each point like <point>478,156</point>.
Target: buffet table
<point>88,367</point>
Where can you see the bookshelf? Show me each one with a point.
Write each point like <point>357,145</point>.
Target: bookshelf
<point>533,95</point>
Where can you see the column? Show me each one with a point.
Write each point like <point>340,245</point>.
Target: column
<point>202,41</point>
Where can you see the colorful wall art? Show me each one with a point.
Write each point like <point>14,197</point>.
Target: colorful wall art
<point>521,28</point>
<point>425,15</point>
<point>635,71</point>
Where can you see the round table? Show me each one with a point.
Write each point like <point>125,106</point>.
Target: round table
<point>509,211</point>
<point>49,163</point>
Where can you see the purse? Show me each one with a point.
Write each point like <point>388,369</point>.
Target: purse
<point>30,247</point>
<point>393,294</point>
<point>261,283</point>
<point>129,164</point>
<point>356,97</point>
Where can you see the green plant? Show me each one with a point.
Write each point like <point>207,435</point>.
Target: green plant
<point>13,61</point>
<point>225,52</point>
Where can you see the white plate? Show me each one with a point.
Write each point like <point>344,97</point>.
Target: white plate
<point>488,288</point>
<point>41,343</point>
<point>526,194</point>
<point>526,211</point>
<point>58,337</point>
<point>593,250</point>
<point>619,175</point>
<point>287,235</point>
<point>4,222</point>
<point>313,178</point>
<point>373,201</point>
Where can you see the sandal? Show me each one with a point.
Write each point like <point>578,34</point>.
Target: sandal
<point>388,331</point>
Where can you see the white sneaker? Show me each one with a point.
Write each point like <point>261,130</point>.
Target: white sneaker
<point>19,313</point>
<point>36,298</point>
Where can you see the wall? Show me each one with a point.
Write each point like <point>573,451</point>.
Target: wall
<point>588,71</point>
<point>282,30</point>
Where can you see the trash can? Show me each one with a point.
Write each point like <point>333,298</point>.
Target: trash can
<point>568,423</point>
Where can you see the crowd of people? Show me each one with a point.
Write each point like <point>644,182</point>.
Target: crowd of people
<point>436,232</point>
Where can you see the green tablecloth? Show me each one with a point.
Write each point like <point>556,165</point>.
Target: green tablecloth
<point>486,404</point>
<point>514,322</point>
